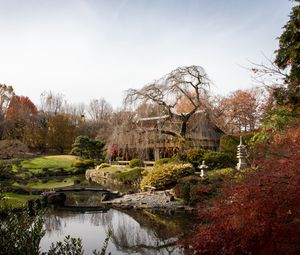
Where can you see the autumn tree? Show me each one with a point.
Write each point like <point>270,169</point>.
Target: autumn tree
<point>36,133</point>
<point>241,111</point>
<point>61,132</point>
<point>191,82</point>
<point>21,115</point>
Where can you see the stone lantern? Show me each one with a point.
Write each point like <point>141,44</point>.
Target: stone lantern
<point>203,170</point>
<point>241,155</point>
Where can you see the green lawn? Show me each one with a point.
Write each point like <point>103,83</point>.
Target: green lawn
<point>53,183</point>
<point>16,200</point>
<point>36,165</point>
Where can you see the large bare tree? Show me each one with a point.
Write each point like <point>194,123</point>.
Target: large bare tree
<point>189,82</point>
<point>52,102</point>
<point>100,109</point>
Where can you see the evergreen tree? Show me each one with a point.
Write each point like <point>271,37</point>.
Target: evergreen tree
<point>288,54</point>
<point>87,148</point>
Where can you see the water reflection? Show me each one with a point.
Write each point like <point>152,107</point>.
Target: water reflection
<point>134,232</point>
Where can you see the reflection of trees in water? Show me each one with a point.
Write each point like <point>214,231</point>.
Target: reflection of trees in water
<point>56,220</point>
<point>84,198</point>
<point>53,224</point>
<point>102,219</point>
<point>144,234</point>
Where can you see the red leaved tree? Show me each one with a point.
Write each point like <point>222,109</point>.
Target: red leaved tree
<point>21,116</point>
<point>259,214</point>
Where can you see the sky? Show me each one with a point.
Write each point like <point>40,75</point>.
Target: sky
<point>89,49</point>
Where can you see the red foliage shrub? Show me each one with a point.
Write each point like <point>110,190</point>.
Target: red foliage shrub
<point>261,213</point>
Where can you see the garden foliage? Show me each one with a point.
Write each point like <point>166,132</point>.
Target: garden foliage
<point>87,148</point>
<point>166,175</point>
<point>21,235</point>
<point>130,176</point>
<point>136,163</point>
<point>162,161</point>
<point>260,214</point>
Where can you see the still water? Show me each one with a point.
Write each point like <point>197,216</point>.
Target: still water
<point>133,232</point>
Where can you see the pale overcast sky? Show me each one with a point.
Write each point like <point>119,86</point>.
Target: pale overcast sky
<point>87,49</point>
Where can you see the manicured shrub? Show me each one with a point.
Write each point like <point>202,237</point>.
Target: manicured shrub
<point>166,175</point>
<point>195,156</point>
<point>89,162</point>
<point>162,161</point>
<point>216,159</point>
<point>131,176</point>
<point>221,173</point>
<point>184,186</point>
<point>135,163</point>
<point>193,189</point>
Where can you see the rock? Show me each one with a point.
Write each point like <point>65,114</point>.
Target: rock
<point>36,192</point>
<point>105,197</point>
<point>56,198</point>
<point>76,181</point>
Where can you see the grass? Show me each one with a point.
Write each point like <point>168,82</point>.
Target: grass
<point>43,184</point>
<point>51,163</point>
<point>15,200</point>
<point>113,169</point>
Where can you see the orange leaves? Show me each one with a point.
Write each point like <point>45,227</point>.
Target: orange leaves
<point>21,107</point>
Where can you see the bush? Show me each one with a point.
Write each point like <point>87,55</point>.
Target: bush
<point>83,164</point>
<point>193,189</point>
<point>221,173</point>
<point>89,162</point>
<point>195,156</point>
<point>166,175</point>
<point>162,161</point>
<point>183,188</point>
<point>219,159</point>
<point>229,143</point>
<point>129,177</point>
<point>5,169</point>
<point>135,163</point>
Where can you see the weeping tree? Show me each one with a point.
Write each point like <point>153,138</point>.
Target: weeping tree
<point>189,83</point>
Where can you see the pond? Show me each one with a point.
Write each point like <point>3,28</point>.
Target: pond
<point>133,231</point>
